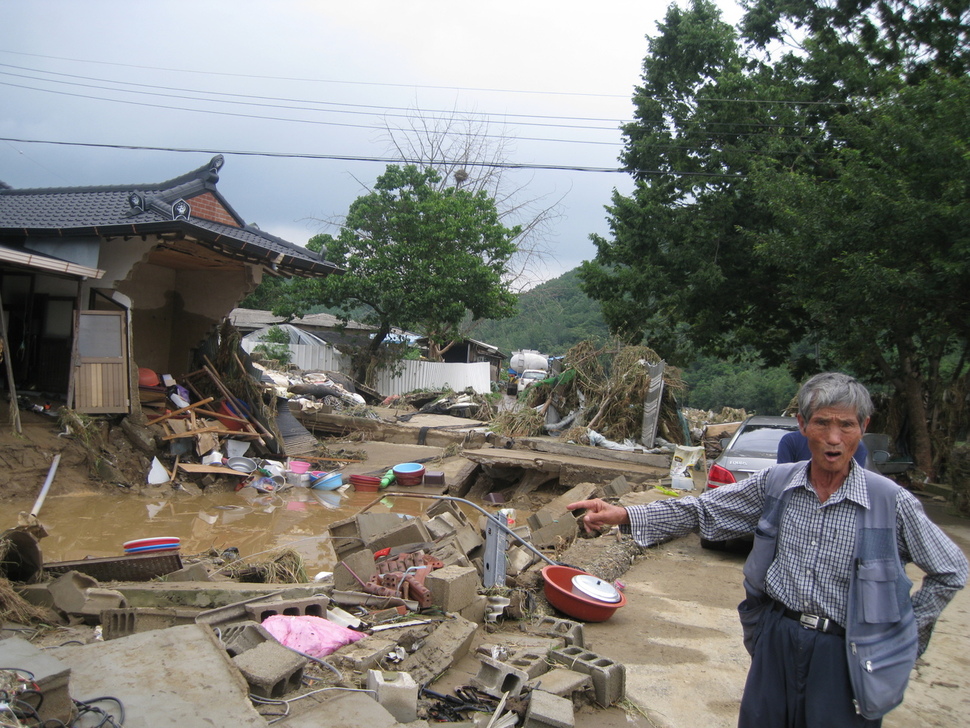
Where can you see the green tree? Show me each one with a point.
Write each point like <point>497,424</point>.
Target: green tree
<point>816,192</point>
<point>418,257</point>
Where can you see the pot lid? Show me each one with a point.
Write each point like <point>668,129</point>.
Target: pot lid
<point>596,588</point>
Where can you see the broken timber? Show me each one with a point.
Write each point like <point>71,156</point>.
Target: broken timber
<point>466,432</point>
<point>573,469</point>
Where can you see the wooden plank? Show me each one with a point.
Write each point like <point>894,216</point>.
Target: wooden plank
<point>179,411</point>
<point>201,468</point>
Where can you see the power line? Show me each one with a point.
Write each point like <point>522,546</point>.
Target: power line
<point>351,158</point>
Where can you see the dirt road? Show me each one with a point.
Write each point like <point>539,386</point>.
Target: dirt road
<point>680,640</point>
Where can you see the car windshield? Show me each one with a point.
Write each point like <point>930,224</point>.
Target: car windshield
<point>760,438</point>
<point>534,375</point>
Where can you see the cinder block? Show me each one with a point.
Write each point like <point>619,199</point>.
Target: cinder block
<point>518,560</point>
<point>361,563</point>
<point>405,532</point>
<point>51,675</point>
<point>450,507</point>
<point>557,506</point>
<point>440,528</point>
<point>244,636</point>
<point>363,654</point>
<point>271,669</point>
<point>570,631</point>
<point>617,487</point>
<point>193,572</point>
<point>313,607</point>
<point>449,552</point>
<point>548,711</point>
<point>77,593</point>
<point>532,663</point>
<point>345,537</point>
<point>497,678</point>
<point>453,587</point>
<point>539,519</point>
<point>443,647</point>
<point>562,682</point>
<point>609,678</point>
<point>469,537</point>
<point>562,529</point>
<point>397,692</point>
<point>475,612</point>
<point>123,622</point>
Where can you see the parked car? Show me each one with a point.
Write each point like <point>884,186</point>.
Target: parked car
<point>752,448</point>
<point>530,377</point>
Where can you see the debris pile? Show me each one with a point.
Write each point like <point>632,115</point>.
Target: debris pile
<point>408,599</point>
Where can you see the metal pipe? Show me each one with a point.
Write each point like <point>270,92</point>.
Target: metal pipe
<point>47,486</point>
<point>490,516</point>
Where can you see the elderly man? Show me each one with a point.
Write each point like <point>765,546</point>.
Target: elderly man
<point>829,619</point>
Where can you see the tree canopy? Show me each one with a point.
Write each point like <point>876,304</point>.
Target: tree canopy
<point>417,257</point>
<point>812,184</point>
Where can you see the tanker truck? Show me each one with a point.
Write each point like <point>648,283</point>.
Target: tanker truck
<point>525,366</point>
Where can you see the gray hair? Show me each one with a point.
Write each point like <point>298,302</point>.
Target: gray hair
<point>834,389</point>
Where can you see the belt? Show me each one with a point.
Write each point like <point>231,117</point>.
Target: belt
<point>812,621</point>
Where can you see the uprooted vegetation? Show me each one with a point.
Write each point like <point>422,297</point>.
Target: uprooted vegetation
<point>601,389</point>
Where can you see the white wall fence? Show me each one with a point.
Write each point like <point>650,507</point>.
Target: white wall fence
<point>310,358</point>
<point>412,375</point>
<point>434,375</point>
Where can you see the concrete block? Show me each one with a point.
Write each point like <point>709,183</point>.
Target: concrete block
<point>497,678</point>
<point>532,663</point>
<point>570,631</point>
<point>312,606</point>
<point>609,678</point>
<point>193,572</point>
<point>453,587</point>
<point>557,506</point>
<point>406,532</point>
<point>548,711</point>
<point>361,563</point>
<point>397,692</point>
<point>450,507</point>
<point>475,612</point>
<point>440,528</point>
<point>539,519</point>
<point>363,654</point>
<point>449,552</point>
<point>562,681</point>
<point>617,487</point>
<point>117,623</point>
<point>563,529</point>
<point>469,537</point>
<point>51,675</point>
<point>77,593</point>
<point>518,560</point>
<point>243,636</point>
<point>443,647</point>
<point>271,669</point>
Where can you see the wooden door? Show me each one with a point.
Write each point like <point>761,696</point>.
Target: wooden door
<point>101,378</point>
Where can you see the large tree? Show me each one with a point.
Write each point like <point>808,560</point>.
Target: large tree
<point>418,257</point>
<point>811,184</point>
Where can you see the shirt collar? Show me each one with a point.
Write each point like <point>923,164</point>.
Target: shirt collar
<point>853,489</point>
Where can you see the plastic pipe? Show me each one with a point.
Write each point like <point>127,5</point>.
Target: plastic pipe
<point>47,486</point>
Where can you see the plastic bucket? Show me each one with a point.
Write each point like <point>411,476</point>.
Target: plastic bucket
<point>299,466</point>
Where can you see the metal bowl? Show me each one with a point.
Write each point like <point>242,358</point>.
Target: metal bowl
<point>242,465</point>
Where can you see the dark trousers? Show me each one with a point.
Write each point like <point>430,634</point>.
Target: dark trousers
<point>798,679</point>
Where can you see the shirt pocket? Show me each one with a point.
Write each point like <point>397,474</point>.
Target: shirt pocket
<point>877,582</point>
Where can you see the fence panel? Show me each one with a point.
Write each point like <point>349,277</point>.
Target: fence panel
<point>434,375</point>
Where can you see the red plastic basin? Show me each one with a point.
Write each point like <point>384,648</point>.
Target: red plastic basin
<point>559,593</point>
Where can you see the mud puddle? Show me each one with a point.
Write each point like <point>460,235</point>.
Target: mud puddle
<point>95,525</point>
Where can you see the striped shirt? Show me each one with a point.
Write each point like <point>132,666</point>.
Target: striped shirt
<point>816,541</point>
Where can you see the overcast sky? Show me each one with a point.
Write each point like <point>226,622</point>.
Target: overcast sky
<point>320,78</point>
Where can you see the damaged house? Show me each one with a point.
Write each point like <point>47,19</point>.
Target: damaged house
<point>96,282</point>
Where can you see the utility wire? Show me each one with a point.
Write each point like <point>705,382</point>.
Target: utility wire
<point>384,160</point>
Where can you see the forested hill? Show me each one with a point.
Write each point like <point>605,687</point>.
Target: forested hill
<point>552,317</point>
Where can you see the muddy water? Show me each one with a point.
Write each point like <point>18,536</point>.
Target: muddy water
<point>96,524</point>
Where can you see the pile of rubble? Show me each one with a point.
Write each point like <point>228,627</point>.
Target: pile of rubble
<point>408,599</point>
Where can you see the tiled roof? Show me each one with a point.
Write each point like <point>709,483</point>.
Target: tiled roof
<point>146,209</point>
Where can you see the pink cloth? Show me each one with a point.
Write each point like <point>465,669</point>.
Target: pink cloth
<point>311,635</point>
